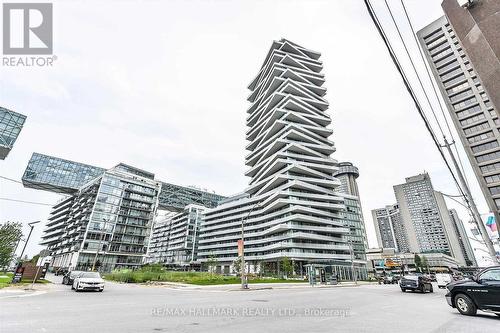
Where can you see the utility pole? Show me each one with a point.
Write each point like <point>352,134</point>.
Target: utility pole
<point>244,282</point>
<point>472,204</point>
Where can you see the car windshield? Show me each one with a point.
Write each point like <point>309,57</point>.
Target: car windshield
<point>411,277</point>
<point>75,273</point>
<point>94,275</point>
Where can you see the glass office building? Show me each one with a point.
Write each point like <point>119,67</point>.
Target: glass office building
<point>177,197</point>
<point>58,175</point>
<point>11,124</point>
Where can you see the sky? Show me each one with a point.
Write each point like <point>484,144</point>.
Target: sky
<point>161,85</point>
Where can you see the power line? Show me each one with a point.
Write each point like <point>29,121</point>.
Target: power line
<point>10,179</point>
<point>422,57</point>
<point>414,68</point>
<point>28,202</point>
<point>399,68</point>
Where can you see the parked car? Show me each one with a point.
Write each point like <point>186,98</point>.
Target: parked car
<point>70,277</point>
<point>443,279</point>
<point>88,281</point>
<point>481,292</point>
<point>61,271</point>
<point>416,282</point>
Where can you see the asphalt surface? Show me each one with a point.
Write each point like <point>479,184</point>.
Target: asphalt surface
<point>139,308</point>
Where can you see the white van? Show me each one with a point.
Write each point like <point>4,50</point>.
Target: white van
<point>443,279</point>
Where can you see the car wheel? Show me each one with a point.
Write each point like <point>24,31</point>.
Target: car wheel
<point>101,290</point>
<point>432,289</point>
<point>465,305</point>
<point>403,290</point>
<point>76,289</point>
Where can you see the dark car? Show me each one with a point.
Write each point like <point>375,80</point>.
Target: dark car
<point>416,282</point>
<point>481,292</point>
<point>61,271</point>
<point>69,277</point>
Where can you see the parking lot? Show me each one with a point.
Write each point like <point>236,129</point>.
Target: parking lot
<point>140,308</point>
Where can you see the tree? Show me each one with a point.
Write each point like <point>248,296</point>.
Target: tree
<point>10,234</point>
<point>34,259</point>
<point>237,265</point>
<point>286,266</point>
<point>418,263</point>
<point>212,263</point>
<point>425,264</point>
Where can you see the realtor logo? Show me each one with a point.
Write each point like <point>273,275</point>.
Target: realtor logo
<point>27,28</point>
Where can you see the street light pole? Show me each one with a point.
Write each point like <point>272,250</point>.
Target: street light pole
<point>27,239</point>
<point>244,282</point>
<point>355,278</point>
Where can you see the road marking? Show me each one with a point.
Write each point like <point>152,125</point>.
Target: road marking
<point>36,293</point>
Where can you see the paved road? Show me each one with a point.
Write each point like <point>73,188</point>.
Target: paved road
<point>134,308</point>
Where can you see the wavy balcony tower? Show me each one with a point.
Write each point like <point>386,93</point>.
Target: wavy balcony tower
<point>291,208</point>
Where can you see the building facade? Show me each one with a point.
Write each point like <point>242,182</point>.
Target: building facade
<point>426,219</point>
<point>54,174</point>
<point>463,239</point>
<point>383,221</point>
<point>106,224</point>
<point>11,124</point>
<point>174,242</point>
<point>347,173</point>
<point>477,27</point>
<point>469,104</point>
<point>58,175</point>
<point>389,261</point>
<point>291,208</point>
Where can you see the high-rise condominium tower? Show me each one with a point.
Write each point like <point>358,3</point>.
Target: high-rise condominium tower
<point>477,26</point>
<point>469,104</point>
<point>291,208</point>
<point>426,218</point>
<point>389,228</point>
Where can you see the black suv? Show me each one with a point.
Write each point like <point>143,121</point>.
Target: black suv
<point>416,282</point>
<point>481,292</point>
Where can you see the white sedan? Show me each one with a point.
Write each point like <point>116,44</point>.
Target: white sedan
<point>88,281</point>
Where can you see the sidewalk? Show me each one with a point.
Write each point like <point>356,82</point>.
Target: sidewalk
<point>251,286</point>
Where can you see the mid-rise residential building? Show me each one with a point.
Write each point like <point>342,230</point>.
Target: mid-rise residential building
<point>347,173</point>
<point>174,242</point>
<point>108,215</point>
<point>105,224</point>
<point>291,207</point>
<point>11,124</point>
<point>426,219</point>
<point>455,64</point>
<point>463,239</point>
<point>158,244</point>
